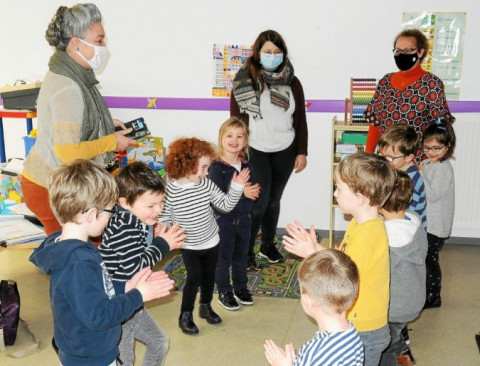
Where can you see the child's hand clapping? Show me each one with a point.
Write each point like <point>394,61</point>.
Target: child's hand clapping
<point>277,356</point>
<point>299,241</point>
<point>252,192</point>
<point>174,236</point>
<point>242,177</point>
<point>152,285</point>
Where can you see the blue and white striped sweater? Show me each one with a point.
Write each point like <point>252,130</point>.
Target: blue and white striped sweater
<point>419,201</point>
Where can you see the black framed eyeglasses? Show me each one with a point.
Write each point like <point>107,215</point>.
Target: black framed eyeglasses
<point>391,159</point>
<point>112,211</point>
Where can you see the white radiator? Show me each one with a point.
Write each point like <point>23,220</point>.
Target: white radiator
<point>466,222</point>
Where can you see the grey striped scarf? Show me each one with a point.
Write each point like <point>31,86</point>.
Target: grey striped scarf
<point>247,94</point>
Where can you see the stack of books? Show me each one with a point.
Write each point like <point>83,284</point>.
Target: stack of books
<point>18,228</point>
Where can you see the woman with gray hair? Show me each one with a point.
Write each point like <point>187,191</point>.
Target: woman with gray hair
<point>73,120</point>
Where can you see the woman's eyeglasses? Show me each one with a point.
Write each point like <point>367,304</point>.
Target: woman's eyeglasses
<point>406,51</point>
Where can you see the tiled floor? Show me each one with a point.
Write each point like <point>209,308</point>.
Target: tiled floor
<point>443,336</point>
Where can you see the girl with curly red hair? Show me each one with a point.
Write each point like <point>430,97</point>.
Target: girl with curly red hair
<point>190,195</point>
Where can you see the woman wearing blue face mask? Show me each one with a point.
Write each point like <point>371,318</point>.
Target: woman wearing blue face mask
<point>73,120</point>
<point>269,98</point>
<point>410,96</point>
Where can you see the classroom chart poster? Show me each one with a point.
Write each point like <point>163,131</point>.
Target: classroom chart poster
<point>445,33</point>
<point>227,60</point>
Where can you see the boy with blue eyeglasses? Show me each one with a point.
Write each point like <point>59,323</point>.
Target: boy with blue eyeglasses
<point>399,144</point>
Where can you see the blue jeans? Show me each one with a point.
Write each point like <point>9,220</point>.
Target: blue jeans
<point>375,342</point>
<point>200,266</point>
<point>272,171</point>
<point>143,327</point>
<point>232,252</point>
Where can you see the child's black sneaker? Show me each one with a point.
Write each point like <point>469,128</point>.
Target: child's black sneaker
<point>227,300</point>
<point>244,296</point>
<point>271,253</point>
<point>252,264</point>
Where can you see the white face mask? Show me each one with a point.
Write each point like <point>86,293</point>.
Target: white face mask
<point>99,56</point>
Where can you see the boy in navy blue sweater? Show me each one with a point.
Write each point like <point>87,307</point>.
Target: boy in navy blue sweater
<point>87,308</point>
<point>132,241</point>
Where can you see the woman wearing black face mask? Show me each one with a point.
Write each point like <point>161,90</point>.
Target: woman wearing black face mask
<point>410,96</point>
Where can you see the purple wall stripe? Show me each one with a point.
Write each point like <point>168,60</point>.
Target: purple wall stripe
<point>222,104</point>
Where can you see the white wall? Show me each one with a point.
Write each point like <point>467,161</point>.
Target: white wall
<point>164,49</point>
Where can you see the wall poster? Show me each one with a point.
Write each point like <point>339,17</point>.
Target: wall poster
<point>227,59</point>
<point>445,33</point>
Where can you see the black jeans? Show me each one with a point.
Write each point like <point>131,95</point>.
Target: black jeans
<point>200,266</point>
<point>232,252</point>
<point>272,171</point>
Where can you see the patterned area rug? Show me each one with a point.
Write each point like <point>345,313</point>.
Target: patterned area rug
<point>270,280</point>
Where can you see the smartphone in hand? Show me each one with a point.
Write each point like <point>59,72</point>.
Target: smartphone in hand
<point>138,126</point>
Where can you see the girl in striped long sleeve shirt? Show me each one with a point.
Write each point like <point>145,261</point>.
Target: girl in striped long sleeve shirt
<point>189,200</point>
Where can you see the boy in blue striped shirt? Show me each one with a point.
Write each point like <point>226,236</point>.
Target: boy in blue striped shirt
<point>329,286</point>
<point>399,145</point>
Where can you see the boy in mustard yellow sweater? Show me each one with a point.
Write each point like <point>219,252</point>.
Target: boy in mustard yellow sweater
<point>363,183</point>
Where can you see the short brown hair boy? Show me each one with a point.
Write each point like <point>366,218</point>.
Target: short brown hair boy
<point>135,179</point>
<point>401,195</point>
<point>368,174</point>
<point>401,137</point>
<point>331,278</point>
<point>79,186</point>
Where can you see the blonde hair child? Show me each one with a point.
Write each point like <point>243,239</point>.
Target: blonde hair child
<point>235,226</point>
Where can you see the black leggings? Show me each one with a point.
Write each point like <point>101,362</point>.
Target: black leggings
<point>200,266</point>
<point>272,171</point>
<point>434,273</point>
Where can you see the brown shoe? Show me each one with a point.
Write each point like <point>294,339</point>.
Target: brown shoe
<point>405,360</point>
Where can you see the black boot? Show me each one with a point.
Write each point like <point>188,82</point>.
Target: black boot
<point>206,312</point>
<point>433,301</point>
<point>185,322</point>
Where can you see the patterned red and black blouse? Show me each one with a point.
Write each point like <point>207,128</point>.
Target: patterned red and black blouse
<point>418,105</point>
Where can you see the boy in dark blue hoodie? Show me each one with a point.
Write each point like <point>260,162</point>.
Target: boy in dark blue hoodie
<point>87,308</point>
